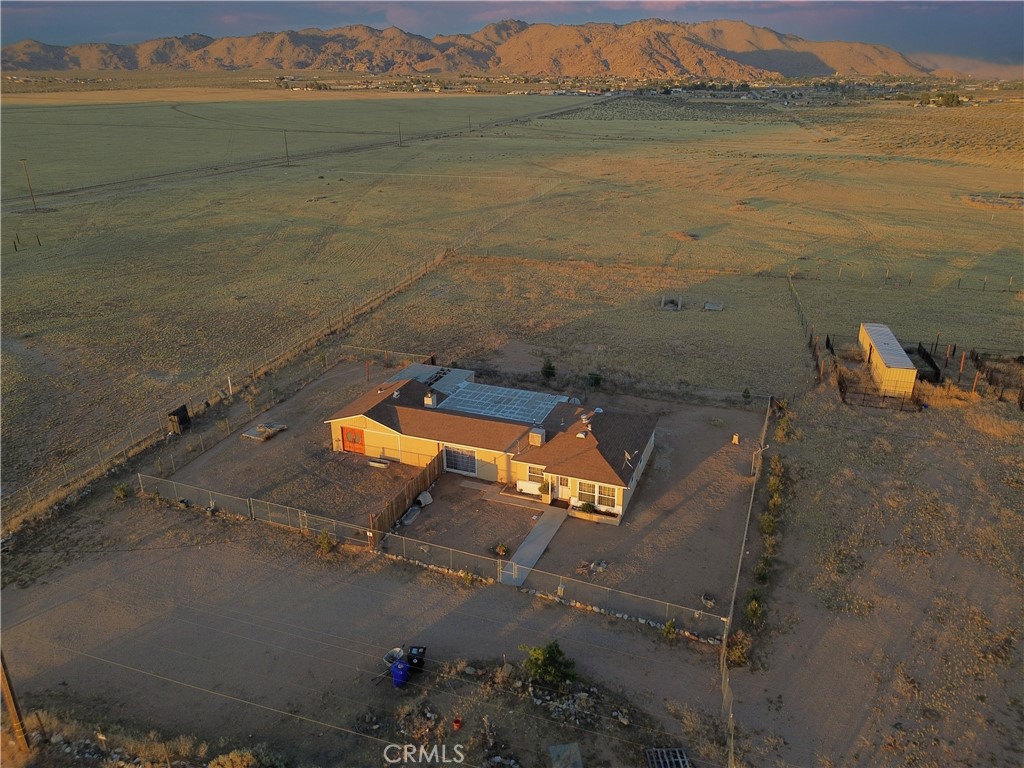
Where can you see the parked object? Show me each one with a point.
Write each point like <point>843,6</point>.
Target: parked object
<point>263,432</point>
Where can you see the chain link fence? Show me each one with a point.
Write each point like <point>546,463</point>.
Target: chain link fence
<point>694,623</point>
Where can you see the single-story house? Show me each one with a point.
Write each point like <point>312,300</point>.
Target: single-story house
<point>589,460</point>
<point>891,368</point>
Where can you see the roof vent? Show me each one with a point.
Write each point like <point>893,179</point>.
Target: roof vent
<point>581,435</point>
<point>537,436</point>
<point>396,394</point>
<point>599,410</point>
<point>430,399</point>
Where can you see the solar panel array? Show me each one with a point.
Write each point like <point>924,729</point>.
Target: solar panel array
<point>501,403</point>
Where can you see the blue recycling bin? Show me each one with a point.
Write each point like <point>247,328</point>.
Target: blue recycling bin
<point>399,673</point>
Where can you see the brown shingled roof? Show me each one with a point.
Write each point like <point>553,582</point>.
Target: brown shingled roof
<point>598,457</point>
<point>407,415</point>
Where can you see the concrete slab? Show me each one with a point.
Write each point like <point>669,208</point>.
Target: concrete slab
<point>516,571</point>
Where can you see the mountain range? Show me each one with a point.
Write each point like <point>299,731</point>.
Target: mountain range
<point>652,48</point>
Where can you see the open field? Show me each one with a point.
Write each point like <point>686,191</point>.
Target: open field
<point>891,635</point>
<point>243,249</point>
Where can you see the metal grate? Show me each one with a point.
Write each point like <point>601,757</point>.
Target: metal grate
<point>672,757</point>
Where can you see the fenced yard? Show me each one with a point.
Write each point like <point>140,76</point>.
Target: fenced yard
<point>696,623</point>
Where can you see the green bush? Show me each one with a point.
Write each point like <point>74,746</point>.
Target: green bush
<point>324,545</point>
<point>669,630</point>
<point>122,491</point>
<point>768,524</point>
<point>548,369</point>
<point>548,665</point>
<point>775,502</point>
<point>594,380</point>
<point>777,470</point>
<point>774,484</point>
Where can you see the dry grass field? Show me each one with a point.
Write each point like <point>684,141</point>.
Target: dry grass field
<point>892,630</point>
<point>187,260</point>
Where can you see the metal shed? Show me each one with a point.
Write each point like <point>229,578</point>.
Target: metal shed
<point>891,369</point>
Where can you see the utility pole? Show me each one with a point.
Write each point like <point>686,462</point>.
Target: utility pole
<point>24,164</point>
<point>287,157</point>
<point>13,710</point>
<point>399,134</point>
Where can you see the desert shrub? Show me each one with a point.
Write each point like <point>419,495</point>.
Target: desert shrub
<point>594,379</point>
<point>548,664</point>
<point>122,491</point>
<point>755,608</point>
<point>324,545</point>
<point>762,570</point>
<point>737,648</point>
<point>669,630</point>
<point>783,430</point>
<point>768,523</point>
<point>775,502</point>
<point>501,550</point>
<point>746,395</point>
<point>775,466</point>
<point>771,546</point>
<point>258,757</point>
<point>774,485</point>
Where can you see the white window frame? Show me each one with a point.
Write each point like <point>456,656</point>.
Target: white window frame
<point>535,474</point>
<point>460,454</point>
<point>606,491</point>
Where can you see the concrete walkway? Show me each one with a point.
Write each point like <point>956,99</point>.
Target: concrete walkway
<point>518,568</point>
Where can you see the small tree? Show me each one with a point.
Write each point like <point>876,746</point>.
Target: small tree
<point>548,369</point>
<point>746,395</point>
<point>548,665</point>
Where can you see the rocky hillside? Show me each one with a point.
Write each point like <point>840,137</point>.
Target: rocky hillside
<point>653,48</point>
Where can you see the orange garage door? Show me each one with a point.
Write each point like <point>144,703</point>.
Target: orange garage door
<point>352,440</point>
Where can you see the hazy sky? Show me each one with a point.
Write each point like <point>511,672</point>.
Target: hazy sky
<point>993,31</point>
